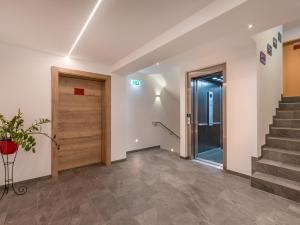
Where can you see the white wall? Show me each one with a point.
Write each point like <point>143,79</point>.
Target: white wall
<point>240,57</point>
<point>290,34</point>
<point>269,81</point>
<point>253,92</point>
<point>144,107</point>
<point>25,83</point>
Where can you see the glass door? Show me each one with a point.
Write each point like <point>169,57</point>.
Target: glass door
<point>207,118</point>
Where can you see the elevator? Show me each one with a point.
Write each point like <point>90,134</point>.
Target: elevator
<point>207,118</point>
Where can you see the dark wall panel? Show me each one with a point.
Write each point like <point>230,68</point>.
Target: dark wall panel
<point>209,136</point>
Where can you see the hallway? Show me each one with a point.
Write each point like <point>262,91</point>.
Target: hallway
<point>151,188</point>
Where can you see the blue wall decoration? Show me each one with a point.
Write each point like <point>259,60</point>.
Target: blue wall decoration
<point>275,42</point>
<point>279,37</point>
<point>263,58</point>
<point>269,49</point>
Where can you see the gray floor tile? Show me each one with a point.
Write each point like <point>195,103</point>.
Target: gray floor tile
<point>150,188</point>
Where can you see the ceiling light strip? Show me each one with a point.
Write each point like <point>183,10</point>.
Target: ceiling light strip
<point>84,27</point>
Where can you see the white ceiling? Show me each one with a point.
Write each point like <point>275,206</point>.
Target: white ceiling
<point>45,25</point>
<point>226,33</point>
<point>118,27</point>
<point>121,26</point>
<point>264,14</point>
<point>292,25</point>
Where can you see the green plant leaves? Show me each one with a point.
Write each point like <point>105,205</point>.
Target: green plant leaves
<point>14,129</point>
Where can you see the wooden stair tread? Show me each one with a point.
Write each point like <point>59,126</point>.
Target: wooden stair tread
<point>277,180</point>
<point>280,164</point>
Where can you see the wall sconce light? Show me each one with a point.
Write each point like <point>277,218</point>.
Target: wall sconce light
<point>157,94</point>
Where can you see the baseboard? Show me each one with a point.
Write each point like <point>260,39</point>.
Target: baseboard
<point>118,161</point>
<point>30,180</point>
<point>49,176</point>
<point>143,149</point>
<point>185,157</point>
<point>237,174</point>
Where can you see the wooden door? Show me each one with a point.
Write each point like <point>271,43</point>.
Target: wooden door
<point>291,68</point>
<point>80,125</point>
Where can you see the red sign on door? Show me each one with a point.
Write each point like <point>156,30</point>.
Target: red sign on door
<point>296,46</point>
<point>78,91</point>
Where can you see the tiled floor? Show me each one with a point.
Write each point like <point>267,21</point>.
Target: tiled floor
<point>150,188</point>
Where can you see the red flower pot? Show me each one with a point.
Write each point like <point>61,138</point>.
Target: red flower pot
<point>8,147</point>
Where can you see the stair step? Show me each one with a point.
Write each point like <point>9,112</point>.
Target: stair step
<point>283,142</point>
<point>289,105</point>
<point>288,132</point>
<point>280,169</point>
<point>282,155</point>
<point>287,114</point>
<point>293,123</point>
<point>276,185</point>
<point>291,99</point>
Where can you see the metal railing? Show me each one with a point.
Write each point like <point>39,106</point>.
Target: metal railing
<point>165,127</point>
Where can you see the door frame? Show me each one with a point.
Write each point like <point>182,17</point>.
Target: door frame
<point>188,109</point>
<point>56,73</point>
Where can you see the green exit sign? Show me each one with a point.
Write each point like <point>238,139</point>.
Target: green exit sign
<point>135,82</point>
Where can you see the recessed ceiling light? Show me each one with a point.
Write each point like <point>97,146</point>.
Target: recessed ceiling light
<point>136,140</point>
<point>250,26</point>
<point>157,64</point>
<point>67,59</point>
<point>84,27</point>
<point>172,150</point>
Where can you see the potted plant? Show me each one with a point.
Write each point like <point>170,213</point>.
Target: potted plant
<point>14,135</point>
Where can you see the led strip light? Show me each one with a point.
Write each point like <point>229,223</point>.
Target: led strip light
<point>84,28</point>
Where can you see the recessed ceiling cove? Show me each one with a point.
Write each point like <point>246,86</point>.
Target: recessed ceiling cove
<point>49,25</point>
<point>120,27</point>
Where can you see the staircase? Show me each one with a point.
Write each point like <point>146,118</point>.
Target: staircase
<point>278,170</point>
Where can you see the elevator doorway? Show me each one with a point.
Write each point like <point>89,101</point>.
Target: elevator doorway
<point>207,116</point>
